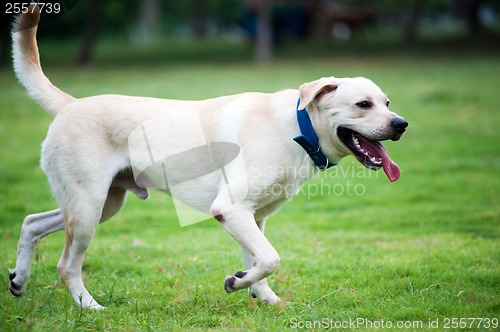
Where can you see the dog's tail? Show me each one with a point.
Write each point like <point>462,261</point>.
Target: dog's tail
<point>27,64</point>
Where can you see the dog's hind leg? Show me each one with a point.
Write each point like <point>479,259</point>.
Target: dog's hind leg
<point>260,289</point>
<point>38,226</point>
<point>35,227</point>
<point>240,223</point>
<point>82,218</point>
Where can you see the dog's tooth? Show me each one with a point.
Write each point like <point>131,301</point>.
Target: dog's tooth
<point>355,139</point>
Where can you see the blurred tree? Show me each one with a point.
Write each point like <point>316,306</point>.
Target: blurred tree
<point>148,20</point>
<point>4,38</point>
<point>265,21</point>
<point>200,22</point>
<point>264,43</point>
<point>411,14</point>
<point>92,22</point>
<point>472,8</point>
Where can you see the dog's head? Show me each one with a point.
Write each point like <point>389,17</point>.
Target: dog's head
<point>351,116</point>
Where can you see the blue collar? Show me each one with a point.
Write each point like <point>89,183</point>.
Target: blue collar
<point>309,141</point>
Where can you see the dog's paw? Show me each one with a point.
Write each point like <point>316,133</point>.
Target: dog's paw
<point>95,306</point>
<point>16,289</point>
<point>265,294</point>
<point>235,282</point>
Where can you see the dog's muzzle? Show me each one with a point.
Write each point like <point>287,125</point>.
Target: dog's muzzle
<point>372,153</point>
<point>399,126</point>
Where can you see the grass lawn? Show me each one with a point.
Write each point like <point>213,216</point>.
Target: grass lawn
<point>419,251</point>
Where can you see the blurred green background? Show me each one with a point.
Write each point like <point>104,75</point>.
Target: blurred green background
<point>262,30</point>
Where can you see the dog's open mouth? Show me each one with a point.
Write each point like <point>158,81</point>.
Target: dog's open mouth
<point>372,154</point>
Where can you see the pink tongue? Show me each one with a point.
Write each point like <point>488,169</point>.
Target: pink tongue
<point>391,169</point>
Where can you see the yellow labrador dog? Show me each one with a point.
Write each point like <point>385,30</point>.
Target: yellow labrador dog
<point>98,148</point>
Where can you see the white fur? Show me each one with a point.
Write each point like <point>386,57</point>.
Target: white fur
<point>87,147</point>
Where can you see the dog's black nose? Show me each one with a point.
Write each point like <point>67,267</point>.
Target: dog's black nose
<point>399,125</point>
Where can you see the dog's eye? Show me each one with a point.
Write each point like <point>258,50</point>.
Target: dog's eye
<point>387,103</point>
<point>364,104</point>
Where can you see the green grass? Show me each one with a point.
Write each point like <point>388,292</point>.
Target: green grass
<point>424,248</point>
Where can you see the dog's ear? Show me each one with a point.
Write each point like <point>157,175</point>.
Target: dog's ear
<point>315,89</point>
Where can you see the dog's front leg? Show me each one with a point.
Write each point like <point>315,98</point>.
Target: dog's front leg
<point>240,223</point>
<point>260,289</point>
